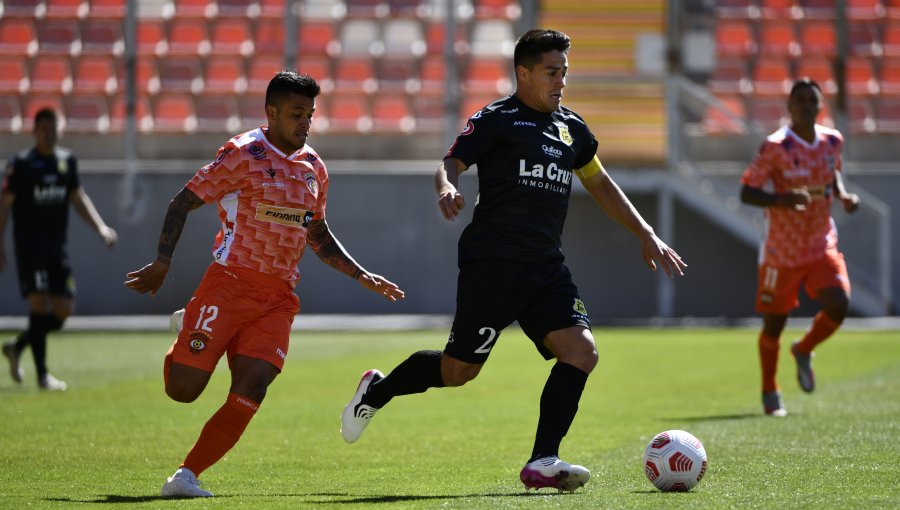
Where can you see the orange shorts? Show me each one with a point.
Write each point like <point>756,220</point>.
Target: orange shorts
<point>238,311</point>
<point>779,288</point>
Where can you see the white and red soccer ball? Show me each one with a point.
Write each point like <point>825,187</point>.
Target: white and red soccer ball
<point>675,461</point>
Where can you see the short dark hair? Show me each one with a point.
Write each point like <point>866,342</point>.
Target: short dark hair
<point>535,43</point>
<point>803,83</point>
<point>289,82</point>
<point>45,114</point>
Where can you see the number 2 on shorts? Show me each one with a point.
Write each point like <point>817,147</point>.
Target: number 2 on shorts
<point>489,344</point>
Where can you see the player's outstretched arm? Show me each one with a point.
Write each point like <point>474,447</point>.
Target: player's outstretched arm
<point>84,206</point>
<point>616,205</point>
<point>329,249</point>
<point>850,201</point>
<point>150,277</point>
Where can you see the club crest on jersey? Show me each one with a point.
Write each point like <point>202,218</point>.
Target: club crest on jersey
<point>198,340</point>
<point>564,135</point>
<point>579,307</point>
<point>311,183</point>
<point>470,128</point>
<point>62,166</point>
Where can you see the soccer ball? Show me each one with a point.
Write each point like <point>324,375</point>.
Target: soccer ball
<point>674,461</point>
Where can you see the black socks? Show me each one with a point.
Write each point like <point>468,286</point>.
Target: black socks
<point>36,336</point>
<point>559,403</point>
<point>416,374</point>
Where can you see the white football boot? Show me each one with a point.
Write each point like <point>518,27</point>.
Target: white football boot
<point>176,322</point>
<point>183,484</point>
<point>357,415</point>
<point>552,472</point>
<point>50,383</point>
<point>772,404</point>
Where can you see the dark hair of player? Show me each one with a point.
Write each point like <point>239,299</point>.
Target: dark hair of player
<point>536,42</point>
<point>289,82</point>
<point>44,114</point>
<point>802,83</point>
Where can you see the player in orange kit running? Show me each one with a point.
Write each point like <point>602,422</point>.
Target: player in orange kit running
<point>270,189</point>
<point>803,163</point>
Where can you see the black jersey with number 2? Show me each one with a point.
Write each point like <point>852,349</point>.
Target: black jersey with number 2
<point>526,161</point>
<point>41,186</point>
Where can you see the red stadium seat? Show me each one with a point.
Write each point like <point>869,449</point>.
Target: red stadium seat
<point>820,70</point>
<point>891,42</point>
<point>66,9</point>
<point>217,114</point>
<point>771,77</point>
<point>860,78</point>
<point>819,9</point>
<point>261,70</point>
<point>24,9</point>
<point>355,75</point>
<point>729,77</point>
<point>818,38</point>
<point>864,40</point>
<point>195,8</point>
<point>779,9</point>
<point>734,38</point>
<point>151,37</point>
<point>725,116</point>
<point>430,111</point>
<point>146,75</point>
<point>348,113</point>
<point>767,113</point>
<point>367,9</point>
<point>398,75</point>
<point>14,75</point>
<point>18,37</point>
<point>737,9</point>
<point>95,75</point>
<point>316,39</point>
<point>497,9</point>
<point>107,9</point>
<point>889,77</point>
<point>777,39</point>
<point>251,107</point>
<point>435,38</point>
<point>860,115</point>
<point>268,38</point>
<point>865,10</point>
<point>271,9</point>
<point>231,36</point>
<point>59,37</point>
<point>180,74</point>
<point>10,114</point>
<point>224,74</point>
<point>35,103</point>
<point>392,114</point>
<point>51,73</point>
<point>174,113</point>
<point>887,115</point>
<point>892,9</point>
<point>405,8</point>
<point>87,113</point>
<point>102,37</point>
<point>243,9</point>
<point>142,114</point>
<point>188,37</point>
<point>433,74</point>
<point>319,68</point>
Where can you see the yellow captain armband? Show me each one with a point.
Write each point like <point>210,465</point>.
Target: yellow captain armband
<point>589,170</point>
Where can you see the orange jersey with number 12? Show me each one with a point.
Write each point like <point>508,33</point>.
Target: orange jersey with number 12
<point>794,237</point>
<point>265,201</point>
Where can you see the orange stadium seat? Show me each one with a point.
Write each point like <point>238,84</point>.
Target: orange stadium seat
<point>435,33</point>
<point>231,36</point>
<point>777,39</point>
<point>319,68</point>
<point>722,118</point>
<point>268,38</point>
<point>224,74</point>
<point>87,113</point>
<point>35,102</point>
<point>95,75</point>
<point>174,113</point>
<point>497,9</point>
<point>734,38</point>
<point>142,115</point>
<point>771,77</point>
<point>107,9</point>
<point>66,9</point>
<point>102,37</point>
<point>10,113</point>
<point>860,78</point>
<point>51,73</point>
<point>864,39</point>
<point>316,39</point>
<point>146,75</point>
<point>188,37</point>
<point>261,70</point>
<point>820,70</point>
<point>892,9</point>
<point>151,37</point>
<point>818,38</point>
<point>487,75</point>
<point>271,9</point>
<point>392,113</point>
<point>355,75</point>
<point>180,74</point>
<point>729,77</point>
<point>779,9</point>
<point>433,74</point>
<point>59,37</point>
<point>24,8</point>
<point>348,113</point>
<point>13,75</point>
<point>217,114</point>
<point>891,42</point>
<point>18,37</point>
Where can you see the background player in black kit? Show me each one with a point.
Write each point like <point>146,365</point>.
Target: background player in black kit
<point>527,148</point>
<point>38,187</point>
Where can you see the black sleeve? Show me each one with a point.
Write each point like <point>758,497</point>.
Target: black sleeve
<point>588,150</point>
<point>477,137</point>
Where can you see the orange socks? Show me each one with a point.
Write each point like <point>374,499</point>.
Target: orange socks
<point>822,328</point>
<point>769,349</point>
<point>221,433</point>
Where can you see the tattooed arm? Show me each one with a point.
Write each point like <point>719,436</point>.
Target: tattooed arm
<point>330,250</point>
<point>150,277</point>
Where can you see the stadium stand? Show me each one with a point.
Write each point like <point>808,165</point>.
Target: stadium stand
<point>14,75</point>
<point>18,37</point>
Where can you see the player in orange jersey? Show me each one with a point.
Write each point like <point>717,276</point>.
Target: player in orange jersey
<point>803,164</point>
<point>270,189</point>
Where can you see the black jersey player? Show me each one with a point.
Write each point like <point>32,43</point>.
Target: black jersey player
<point>38,186</point>
<point>527,148</point>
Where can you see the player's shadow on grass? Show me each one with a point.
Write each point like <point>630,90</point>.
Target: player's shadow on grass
<point>410,497</point>
<point>111,498</point>
<point>716,417</point>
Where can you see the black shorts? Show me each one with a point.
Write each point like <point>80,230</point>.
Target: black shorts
<point>491,294</point>
<point>44,268</point>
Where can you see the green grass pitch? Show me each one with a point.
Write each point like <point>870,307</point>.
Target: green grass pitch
<point>110,441</point>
